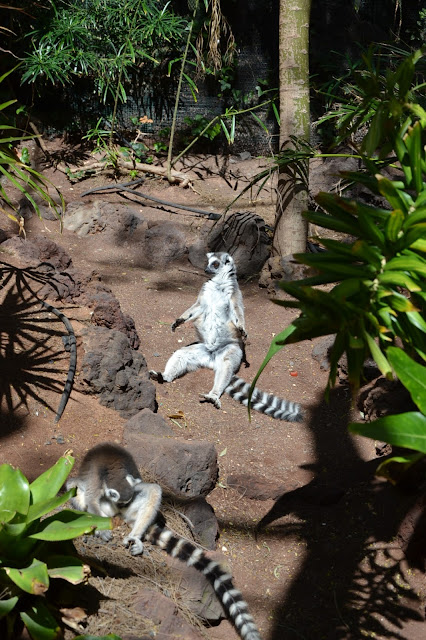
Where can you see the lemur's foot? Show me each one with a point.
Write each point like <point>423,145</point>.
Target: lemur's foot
<point>158,376</point>
<point>135,545</point>
<point>213,399</point>
<point>104,535</point>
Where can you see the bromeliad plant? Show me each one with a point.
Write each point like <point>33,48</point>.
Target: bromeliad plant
<point>378,278</point>
<point>36,549</point>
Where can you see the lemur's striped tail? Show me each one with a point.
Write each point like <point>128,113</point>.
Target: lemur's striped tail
<point>264,402</point>
<point>232,601</point>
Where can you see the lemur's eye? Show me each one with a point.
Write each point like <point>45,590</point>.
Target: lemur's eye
<point>216,264</point>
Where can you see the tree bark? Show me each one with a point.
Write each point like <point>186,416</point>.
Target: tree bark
<point>292,197</point>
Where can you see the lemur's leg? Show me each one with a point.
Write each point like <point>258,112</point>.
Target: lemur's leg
<point>182,361</point>
<point>226,363</point>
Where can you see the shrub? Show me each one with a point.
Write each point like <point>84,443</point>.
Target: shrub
<point>36,548</point>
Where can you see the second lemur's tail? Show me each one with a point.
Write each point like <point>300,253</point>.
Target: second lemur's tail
<point>264,402</point>
<point>232,601</point>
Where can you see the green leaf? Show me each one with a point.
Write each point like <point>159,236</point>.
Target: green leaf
<point>67,568</point>
<point>398,278</point>
<point>400,303</point>
<point>33,579</point>
<point>411,374</point>
<point>378,355</point>
<point>330,222</point>
<point>413,141</point>
<point>68,524</point>
<point>40,509</point>
<point>395,196</point>
<point>275,346</point>
<point>394,468</point>
<point>40,622</point>
<point>7,605</point>
<point>394,224</point>
<point>402,430</point>
<point>407,263</point>
<point>14,490</point>
<point>47,485</point>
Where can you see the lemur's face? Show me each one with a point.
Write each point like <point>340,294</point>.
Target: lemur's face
<point>215,262</point>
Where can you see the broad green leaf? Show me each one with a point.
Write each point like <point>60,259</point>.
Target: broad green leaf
<point>6,516</point>
<point>402,430</point>
<point>7,605</point>
<point>33,579</point>
<point>40,509</point>
<point>411,374</point>
<point>40,622</point>
<point>14,490</point>
<point>68,524</point>
<point>67,568</point>
<point>47,485</point>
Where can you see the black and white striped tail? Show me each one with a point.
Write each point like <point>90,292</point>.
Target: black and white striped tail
<point>264,402</point>
<point>232,600</point>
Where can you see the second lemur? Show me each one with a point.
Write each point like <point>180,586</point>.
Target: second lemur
<point>109,484</point>
<point>218,317</point>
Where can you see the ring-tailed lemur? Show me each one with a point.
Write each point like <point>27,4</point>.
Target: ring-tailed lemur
<point>218,317</point>
<point>109,484</point>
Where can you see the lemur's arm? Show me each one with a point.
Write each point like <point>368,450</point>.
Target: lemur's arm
<point>190,314</point>
<point>140,514</point>
<point>237,312</point>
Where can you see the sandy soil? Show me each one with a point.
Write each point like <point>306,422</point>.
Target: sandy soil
<point>329,564</point>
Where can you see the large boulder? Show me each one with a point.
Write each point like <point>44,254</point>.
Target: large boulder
<point>116,372</point>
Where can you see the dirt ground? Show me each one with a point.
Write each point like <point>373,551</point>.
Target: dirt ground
<point>329,564</point>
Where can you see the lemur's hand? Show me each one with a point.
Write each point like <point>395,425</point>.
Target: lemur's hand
<point>242,332</point>
<point>177,323</point>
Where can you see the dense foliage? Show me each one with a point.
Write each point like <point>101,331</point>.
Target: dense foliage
<point>100,41</point>
<point>378,276</point>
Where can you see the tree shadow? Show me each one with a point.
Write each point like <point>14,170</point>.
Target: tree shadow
<point>354,580</point>
<point>32,355</point>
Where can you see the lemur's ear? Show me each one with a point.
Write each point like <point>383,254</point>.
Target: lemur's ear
<point>133,482</point>
<point>209,255</point>
<point>112,494</point>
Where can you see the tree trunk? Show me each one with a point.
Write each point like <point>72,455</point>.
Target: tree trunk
<point>292,198</point>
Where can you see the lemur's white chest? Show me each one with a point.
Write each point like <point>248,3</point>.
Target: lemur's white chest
<point>213,322</point>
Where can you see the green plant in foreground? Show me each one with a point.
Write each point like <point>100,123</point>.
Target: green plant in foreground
<point>406,430</point>
<point>36,548</point>
<point>378,277</point>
